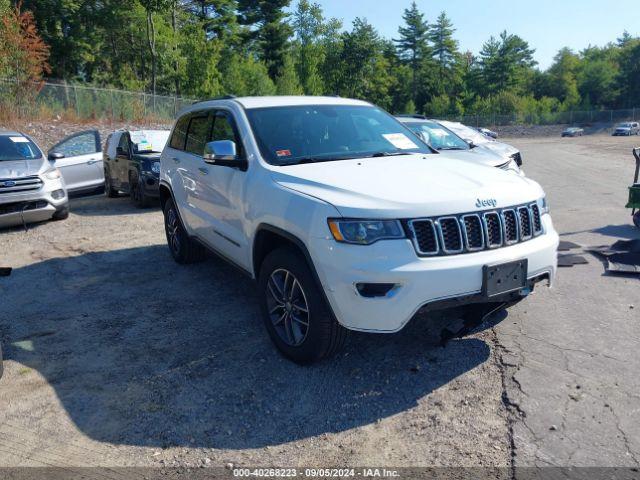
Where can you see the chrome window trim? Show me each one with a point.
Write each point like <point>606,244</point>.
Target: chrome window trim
<point>466,236</point>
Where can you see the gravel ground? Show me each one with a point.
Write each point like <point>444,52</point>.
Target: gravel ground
<point>116,356</point>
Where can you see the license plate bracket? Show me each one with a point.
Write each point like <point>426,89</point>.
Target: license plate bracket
<point>501,278</point>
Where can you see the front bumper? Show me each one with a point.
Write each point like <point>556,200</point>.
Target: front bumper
<point>419,281</point>
<point>32,206</point>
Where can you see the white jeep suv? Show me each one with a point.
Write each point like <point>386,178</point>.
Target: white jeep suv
<point>345,218</point>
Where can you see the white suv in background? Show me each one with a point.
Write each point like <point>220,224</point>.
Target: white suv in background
<point>345,218</point>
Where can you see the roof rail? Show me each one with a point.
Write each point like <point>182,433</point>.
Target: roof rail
<point>411,115</point>
<point>221,97</point>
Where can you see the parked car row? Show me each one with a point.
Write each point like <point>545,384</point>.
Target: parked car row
<point>35,188</point>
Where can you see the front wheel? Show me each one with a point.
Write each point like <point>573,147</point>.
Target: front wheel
<point>294,310</point>
<point>138,196</point>
<point>636,219</point>
<point>109,191</point>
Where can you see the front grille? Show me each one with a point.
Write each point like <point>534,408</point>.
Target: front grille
<point>493,229</point>
<point>526,229</point>
<point>510,222</point>
<point>424,233</point>
<point>17,207</point>
<point>24,184</point>
<point>473,232</point>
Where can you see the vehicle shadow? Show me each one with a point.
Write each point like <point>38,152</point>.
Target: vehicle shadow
<point>624,231</point>
<point>144,352</point>
<point>99,205</point>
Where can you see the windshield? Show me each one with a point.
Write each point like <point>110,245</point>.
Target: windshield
<point>438,136</point>
<point>624,125</point>
<point>149,141</point>
<point>467,133</point>
<point>17,147</point>
<point>310,133</point>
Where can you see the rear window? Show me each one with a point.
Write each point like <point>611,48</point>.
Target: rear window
<point>17,147</point>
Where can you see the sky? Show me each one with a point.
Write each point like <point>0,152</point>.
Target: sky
<point>547,25</point>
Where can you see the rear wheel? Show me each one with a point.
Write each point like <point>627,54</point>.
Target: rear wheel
<point>183,249</point>
<point>294,310</point>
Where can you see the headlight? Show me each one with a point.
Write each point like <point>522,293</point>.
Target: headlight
<point>53,174</point>
<point>155,167</point>
<point>365,232</point>
<point>544,206</point>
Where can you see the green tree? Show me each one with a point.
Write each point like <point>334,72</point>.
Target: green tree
<point>308,26</point>
<point>504,63</point>
<point>445,53</point>
<point>412,45</point>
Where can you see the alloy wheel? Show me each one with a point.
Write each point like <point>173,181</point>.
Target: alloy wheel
<point>288,307</point>
<point>173,234</point>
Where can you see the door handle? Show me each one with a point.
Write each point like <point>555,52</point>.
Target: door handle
<point>91,162</point>
<point>203,170</point>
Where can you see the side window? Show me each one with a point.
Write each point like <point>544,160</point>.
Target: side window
<point>124,143</point>
<point>180,133</point>
<point>223,129</point>
<point>84,143</point>
<point>197,134</point>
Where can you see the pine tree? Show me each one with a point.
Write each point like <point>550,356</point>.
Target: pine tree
<point>445,50</point>
<point>413,44</point>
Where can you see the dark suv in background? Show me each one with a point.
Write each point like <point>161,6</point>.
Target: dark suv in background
<point>132,164</point>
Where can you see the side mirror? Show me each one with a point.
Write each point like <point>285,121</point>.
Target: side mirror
<point>224,154</point>
<point>470,142</point>
<point>120,151</point>
<point>53,156</point>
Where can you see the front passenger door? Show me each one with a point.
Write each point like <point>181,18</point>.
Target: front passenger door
<point>222,190</point>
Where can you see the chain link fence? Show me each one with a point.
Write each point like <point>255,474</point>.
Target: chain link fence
<point>43,100</point>
<point>554,118</point>
<point>84,102</point>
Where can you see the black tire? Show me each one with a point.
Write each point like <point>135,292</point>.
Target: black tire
<point>61,214</point>
<point>136,191</point>
<point>636,219</point>
<point>323,336</point>
<point>183,249</point>
<point>109,191</point>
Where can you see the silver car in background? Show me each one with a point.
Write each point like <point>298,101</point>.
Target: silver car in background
<point>477,139</point>
<point>627,129</point>
<point>31,187</point>
<point>447,142</point>
<point>79,159</point>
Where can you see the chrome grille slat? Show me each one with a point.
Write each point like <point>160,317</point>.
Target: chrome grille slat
<point>24,184</point>
<point>474,232</point>
<point>450,235</point>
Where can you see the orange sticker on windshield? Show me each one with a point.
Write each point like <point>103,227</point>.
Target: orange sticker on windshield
<point>283,153</point>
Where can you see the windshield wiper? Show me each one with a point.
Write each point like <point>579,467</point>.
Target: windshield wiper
<point>387,154</point>
<point>452,148</point>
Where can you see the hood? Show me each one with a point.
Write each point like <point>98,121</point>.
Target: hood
<point>478,155</point>
<point>22,168</point>
<point>407,186</point>
<point>498,148</point>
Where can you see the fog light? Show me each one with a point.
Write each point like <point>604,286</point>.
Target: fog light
<point>375,290</point>
<point>57,194</point>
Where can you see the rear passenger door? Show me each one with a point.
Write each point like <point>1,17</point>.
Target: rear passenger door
<point>81,165</point>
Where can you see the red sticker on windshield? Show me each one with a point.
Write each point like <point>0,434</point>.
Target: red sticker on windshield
<point>283,153</point>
